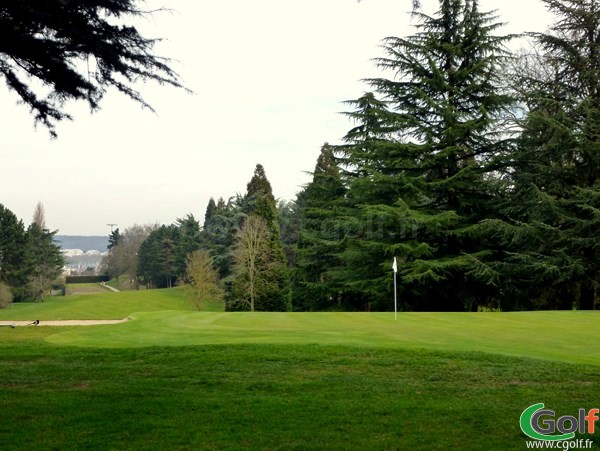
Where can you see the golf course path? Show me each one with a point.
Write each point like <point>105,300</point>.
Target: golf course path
<point>66,322</point>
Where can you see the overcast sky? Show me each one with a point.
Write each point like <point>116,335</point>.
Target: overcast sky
<point>269,78</point>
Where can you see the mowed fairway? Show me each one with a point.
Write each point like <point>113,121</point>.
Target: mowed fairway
<point>106,305</point>
<point>173,378</point>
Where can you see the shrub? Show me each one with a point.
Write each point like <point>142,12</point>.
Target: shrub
<point>485,308</point>
<point>6,296</point>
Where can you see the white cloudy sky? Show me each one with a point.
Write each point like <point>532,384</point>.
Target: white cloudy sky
<point>269,77</point>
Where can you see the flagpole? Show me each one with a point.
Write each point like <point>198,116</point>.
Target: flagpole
<point>395,299</point>
<point>395,268</point>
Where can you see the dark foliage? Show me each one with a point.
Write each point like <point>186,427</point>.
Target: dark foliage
<point>76,50</point>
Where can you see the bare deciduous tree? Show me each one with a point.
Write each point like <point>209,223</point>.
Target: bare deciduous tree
<point>253,260</point>
<point>201,279</point>
<point>39,216</point>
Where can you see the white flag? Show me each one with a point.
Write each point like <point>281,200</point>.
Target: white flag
<point>395,266</point>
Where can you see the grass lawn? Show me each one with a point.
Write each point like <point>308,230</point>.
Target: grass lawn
<point>179,379</point>
<point>569,336</point>
<point>84,288</point>
<point>104,305</point>
<point>276,397</point>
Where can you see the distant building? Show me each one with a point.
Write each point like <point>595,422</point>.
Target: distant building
<point>78,262</point>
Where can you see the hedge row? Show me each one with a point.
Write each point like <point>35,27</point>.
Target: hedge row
<point>87,279</point>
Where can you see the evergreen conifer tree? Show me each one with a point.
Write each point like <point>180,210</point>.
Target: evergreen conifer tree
<point>550,223</point>
<point>188,241</point>
<point>211,208</point>
<point>75,51</point>
<point>319,241</point>
<point>218,234</point>
<point>417,164</point>
<point>42,260</point>
<point>113,239</point>
<point>12,245</point>
<point>157,263</point>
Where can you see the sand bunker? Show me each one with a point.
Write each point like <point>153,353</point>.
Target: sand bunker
<point>63,322</point>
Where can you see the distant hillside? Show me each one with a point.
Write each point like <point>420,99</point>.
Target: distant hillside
<point>85,243</point>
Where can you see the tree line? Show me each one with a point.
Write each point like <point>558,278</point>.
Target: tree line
<point>476,167</point>
<point>237,252</point>
<point>30,261</point>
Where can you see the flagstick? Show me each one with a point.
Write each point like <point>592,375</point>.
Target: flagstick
<point>395,300</point>
<point>395,268</point>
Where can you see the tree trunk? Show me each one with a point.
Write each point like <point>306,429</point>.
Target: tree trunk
<point>587,297</point>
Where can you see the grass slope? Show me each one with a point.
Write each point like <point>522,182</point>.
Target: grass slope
<point>106,305</point>
<point>85,288</point>
<point>570,336</point>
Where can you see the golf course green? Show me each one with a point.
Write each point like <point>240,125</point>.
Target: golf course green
<point>567,336</point>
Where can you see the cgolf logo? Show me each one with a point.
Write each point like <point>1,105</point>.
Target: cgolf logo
<point>540,424</point>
